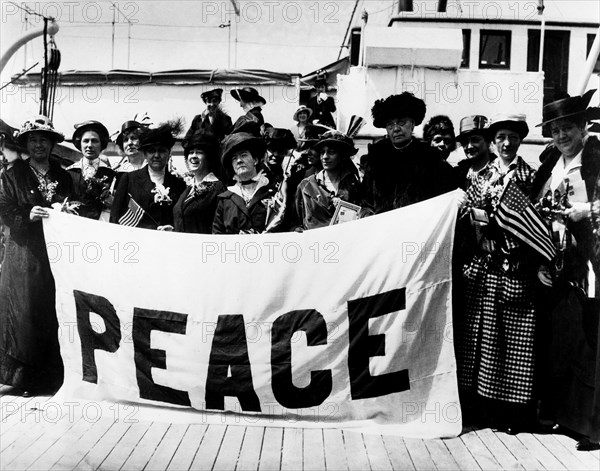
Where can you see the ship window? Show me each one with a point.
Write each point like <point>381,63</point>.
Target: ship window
<point>590,41</point>
<point>466,53</point>
<point>494,49</point>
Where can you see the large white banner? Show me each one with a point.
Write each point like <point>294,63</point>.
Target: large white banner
<point>345,326</point>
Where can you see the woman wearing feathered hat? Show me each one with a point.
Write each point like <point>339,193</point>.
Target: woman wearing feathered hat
<point>317,195</point>
<point>400,169</point>
<point>497,339</point>
<point>565,182</point>
<point>195,210</point>
<point>152,189</point>
<point>29,353</point>
<point>242,209</point>
<point>213,121</point>
<point>92,178</point>
<point>301,116</point>
<point>252,103</point>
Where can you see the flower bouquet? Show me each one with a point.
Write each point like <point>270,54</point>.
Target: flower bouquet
<point>161,195</point>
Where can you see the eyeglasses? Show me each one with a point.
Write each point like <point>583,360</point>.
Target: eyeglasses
<point>392,123</point>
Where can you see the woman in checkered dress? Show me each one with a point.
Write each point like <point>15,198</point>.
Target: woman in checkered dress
<point>497,328</point>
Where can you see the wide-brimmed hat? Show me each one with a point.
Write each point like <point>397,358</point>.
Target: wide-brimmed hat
<point>38,124</point>
<point>471,125</point>
<point>200,140</point>
<point>164,135</point>
<point>241,141</point>
<point>247,94</point>
<point>126,127</point>
<point>337,140</point>
<point>300,109</point>
<point>279,138</point>
<point>405,105</point>
<point>214,93</point>
<point>9,136</point>
<point>575,107</point>
<point>516,122</point>
<point>96,126</point>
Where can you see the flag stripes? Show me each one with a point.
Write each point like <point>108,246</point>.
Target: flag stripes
<point>133,215</point>
<point>516,214</point>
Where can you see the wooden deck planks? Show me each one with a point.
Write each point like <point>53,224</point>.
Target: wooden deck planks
<point>356,453</point>
<point>166,447</point>
<point>230,447</point>
<point>440,455</point>
<point>540,452</point>
<point>503,455</point>
<point>419,454</point>
<point>293,445</point>
<point>377,452</point>
<point>123,449</point>
<point>251,448</point>
<point>480,453</point>
<point>209,448</point>
<point>313,453</point>
<point>270,455</point>
<point>398,453</point>
<point>189,447</point>
<point>335,453</point>
<point>146,447</point>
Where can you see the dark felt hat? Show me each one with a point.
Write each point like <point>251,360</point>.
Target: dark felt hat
<point>214,93</point>
<point>337,140</point>
<point>247,94</point>
<point>200,140</point>
<point>514,121</point>
<point>279,138</point>
<point>96,126</point>
<point>164,135</point>
<point>38,124</point>
<point>471,125</point>
<point>405,105</point>
<point>575,107</point>
<point>241,141</point>
<point>126,127</point>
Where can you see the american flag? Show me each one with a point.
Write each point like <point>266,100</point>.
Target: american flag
<point>133,215</point>
<point>516,214</point>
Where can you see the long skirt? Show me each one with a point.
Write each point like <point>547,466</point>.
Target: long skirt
<point>496,351</point>
<point>29,351</point>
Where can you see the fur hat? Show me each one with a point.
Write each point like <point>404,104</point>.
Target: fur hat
<point>39,124</point>
<point>164,135</point>
<point>200,140</point>
<point>514,122</point>
<point>97,127</point>
<point>405,105</point>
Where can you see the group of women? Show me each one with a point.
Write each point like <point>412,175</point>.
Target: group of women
<point>524,324</point>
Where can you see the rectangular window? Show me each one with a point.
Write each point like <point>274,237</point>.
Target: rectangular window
<point>590,41</point>
<point>494,49</point>
<point>466,53</point>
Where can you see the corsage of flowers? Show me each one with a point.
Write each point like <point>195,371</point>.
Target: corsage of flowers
<point>48,189</point>
<point>202,188</point>
<point>161,194</point>
<point>96,187</point>
<point>490,195</point>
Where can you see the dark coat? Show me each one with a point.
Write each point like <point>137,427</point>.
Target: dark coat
<point>462,170</point>
<point>233,215</point>
<point>89,196</point>
<point>220,127</point>
<point>196,215</point>
<point>396,178</point>
<point>314,202</point>
<point>322,112</point>
<point>139,186</point>
<point>29,351</point>
<point>250,122</point>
